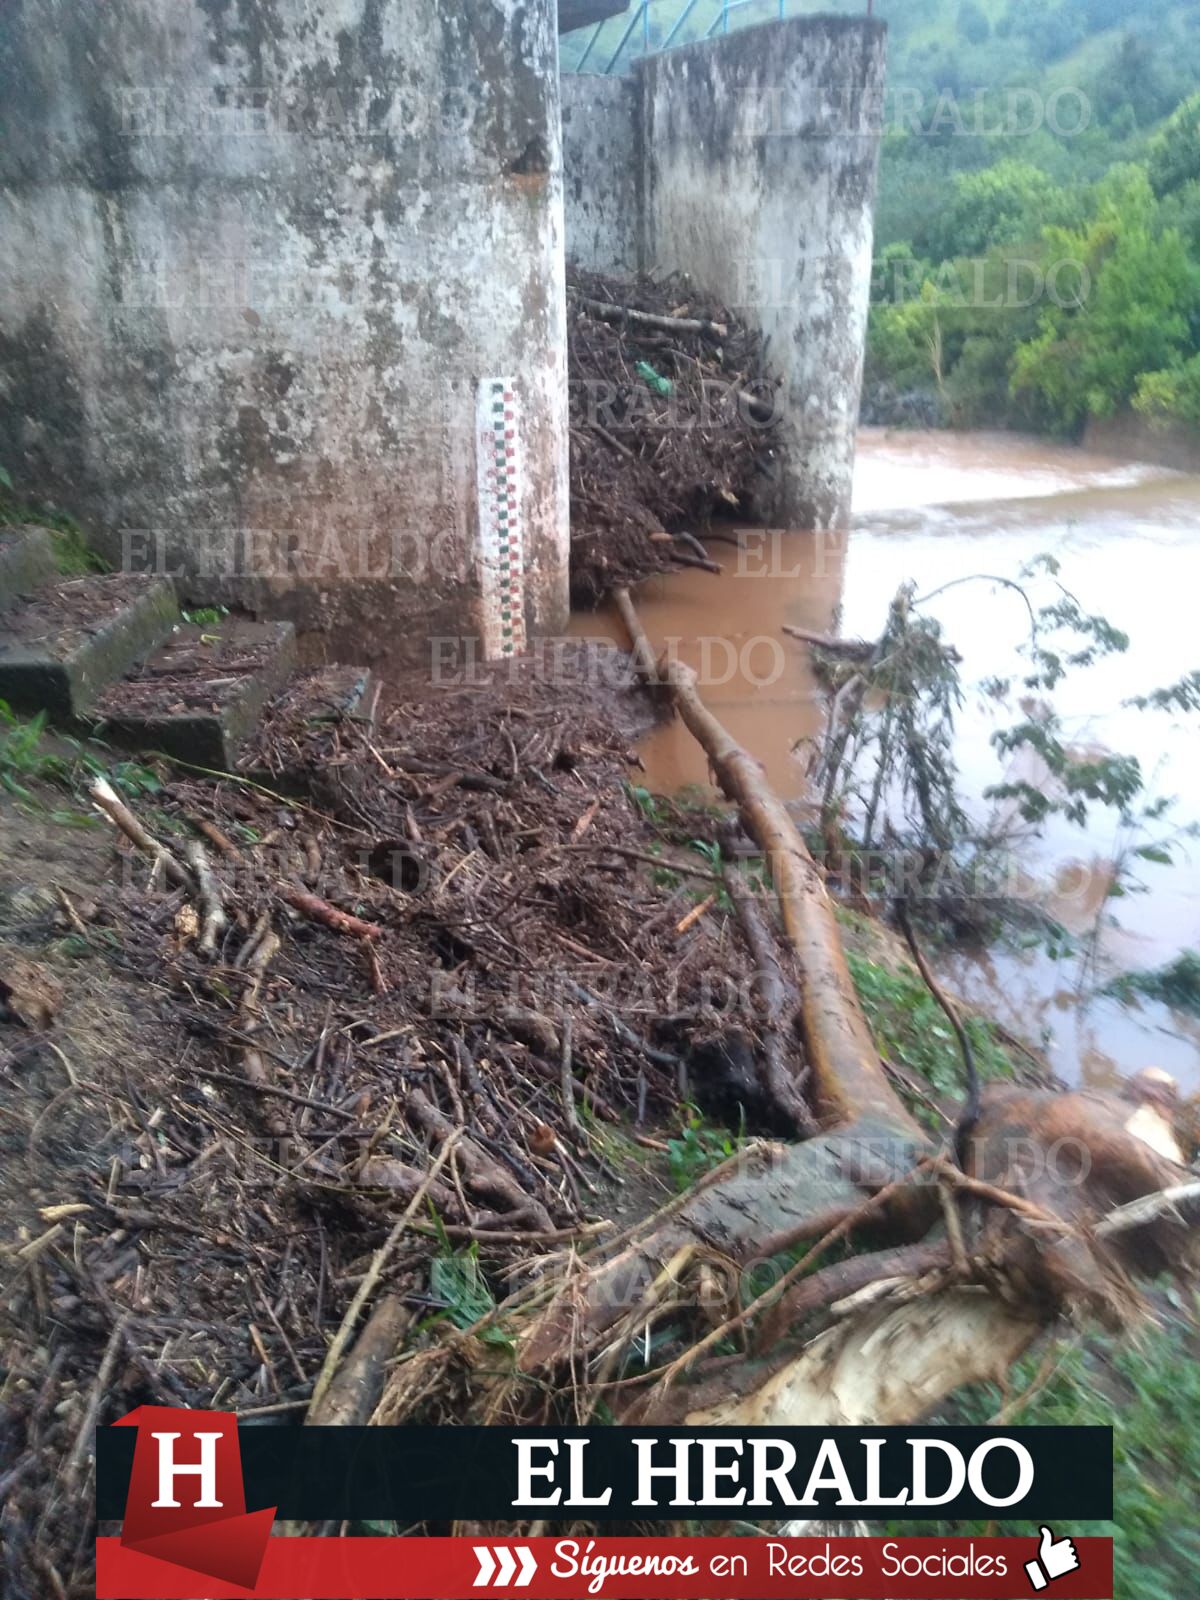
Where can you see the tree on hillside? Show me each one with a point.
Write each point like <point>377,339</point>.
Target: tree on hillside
<point>1053,31</point>
<point>1171,395</point>
<point>1174,153</point>
<point>1132,77</point>
<point>996,205</point>
<point>1138,301</point>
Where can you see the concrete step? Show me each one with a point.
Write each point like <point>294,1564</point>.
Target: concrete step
<point>60,647</point>
<point>26,563</point>
<point>296,746</point>
<point>321,696</point>
<point>201,693</point>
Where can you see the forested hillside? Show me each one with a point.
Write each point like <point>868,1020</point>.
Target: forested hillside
<point>1038,232</point>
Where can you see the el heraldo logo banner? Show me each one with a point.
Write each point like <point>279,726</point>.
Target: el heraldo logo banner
<point>197,1500</point>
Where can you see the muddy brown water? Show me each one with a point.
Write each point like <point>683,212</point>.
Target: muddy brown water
<point>936,507</point>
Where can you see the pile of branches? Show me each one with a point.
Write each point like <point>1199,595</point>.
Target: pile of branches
<point>413,995</point>
<point>672,421</point>
<point>410,993</point>
<point>1024,1243</point>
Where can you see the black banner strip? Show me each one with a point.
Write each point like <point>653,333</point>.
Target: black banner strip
<point>412,1474</point>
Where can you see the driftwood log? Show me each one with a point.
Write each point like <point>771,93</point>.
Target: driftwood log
<point>654,319</point>
<point>849,1084</point>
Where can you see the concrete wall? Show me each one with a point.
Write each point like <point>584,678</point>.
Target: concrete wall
<point>759,154</point>
<point>602,168</point>
<point>254,260</point>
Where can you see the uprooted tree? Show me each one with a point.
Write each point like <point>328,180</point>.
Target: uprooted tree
<point>885,769</point>
<point>1054,1211</point>
<point>856,1273</point>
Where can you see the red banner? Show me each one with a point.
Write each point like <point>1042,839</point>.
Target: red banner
<point>633,1569</point>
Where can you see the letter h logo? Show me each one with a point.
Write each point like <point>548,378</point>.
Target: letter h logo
<point>169,1469</point>
<point>186,1501</point>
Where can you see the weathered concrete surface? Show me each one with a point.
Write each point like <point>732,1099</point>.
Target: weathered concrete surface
<point>62,647</point>
<point>254,259</point>
<point>26,562</point>
<point>201,693</point>
<point>602,170</point>
<point>761,151</point>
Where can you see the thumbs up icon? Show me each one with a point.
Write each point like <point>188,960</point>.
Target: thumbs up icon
<point>1054,1558</point>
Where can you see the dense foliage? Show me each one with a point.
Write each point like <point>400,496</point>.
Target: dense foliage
<point>1038,234</point>
<point>1147,1393</point>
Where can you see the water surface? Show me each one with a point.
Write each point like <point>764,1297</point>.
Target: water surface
<point>935,507</point>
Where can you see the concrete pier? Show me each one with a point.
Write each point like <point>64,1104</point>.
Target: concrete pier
<point>256,260</point>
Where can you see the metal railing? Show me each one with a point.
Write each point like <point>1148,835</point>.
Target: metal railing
<point>654,25</point>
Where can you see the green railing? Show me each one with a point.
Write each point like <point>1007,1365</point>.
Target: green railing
<point>653,25</point>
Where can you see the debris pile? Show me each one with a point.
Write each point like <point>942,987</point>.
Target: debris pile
<point>442,967</point>
<point>409,993</point>
<point>672,417</point>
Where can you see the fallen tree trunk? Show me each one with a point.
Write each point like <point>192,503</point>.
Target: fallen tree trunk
<point>874,1338</point>
<point>354,1390</point>
<point>783,1194</point>
<point>946,1317</point>
<point>852,649</point>
<point>765,1201</point>
<point>848,1080</point>
<point>935,1343</point>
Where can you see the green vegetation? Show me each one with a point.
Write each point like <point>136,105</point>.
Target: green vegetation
<point>1148,1393</point>
<point>457,1282</point>
<point>74,556</point>
<point>1176,985</point>
<point>30,754</point>
<point>887,769</point>
<point>911,1031</point>
<point>677,819</point>
<point>1039,216</point>
<point>651,806</point>
<point>700,1147</point>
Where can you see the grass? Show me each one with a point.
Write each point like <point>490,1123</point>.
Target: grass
<point>73,555</point>
<point>457,1284</point>
<point>671,811</point>
<point>911,1030</point>
<point>651,806</point>
<point>678,821</point>
<point>1149,1393</point>
<point>81,946</point>
<point>30,754</point>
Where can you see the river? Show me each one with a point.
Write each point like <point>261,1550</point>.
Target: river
<point>938,506</point>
